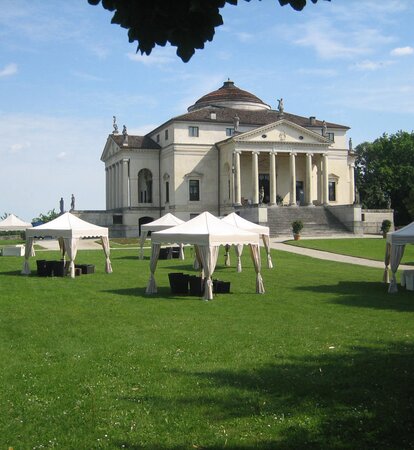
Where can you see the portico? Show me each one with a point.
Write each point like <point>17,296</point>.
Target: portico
<point>293,161</point>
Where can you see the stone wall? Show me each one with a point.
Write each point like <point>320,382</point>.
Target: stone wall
<point>372,220</point>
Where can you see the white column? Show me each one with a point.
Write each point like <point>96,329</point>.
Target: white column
<point>113,186</point>
<point>292,167</point>
<point>273,180</point>
<point>255,178</point>
<point>107,187</point>
<point>352,183</point>
<point>308,187</point>
<point>325,175</point>
<point>237,187</point>
<point>125,183</point>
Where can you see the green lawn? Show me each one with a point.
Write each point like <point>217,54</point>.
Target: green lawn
<point>361,247</point>
<point>323,360</point>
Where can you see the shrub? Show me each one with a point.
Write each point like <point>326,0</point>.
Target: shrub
<point>297,226</point>
<point>386,226</point>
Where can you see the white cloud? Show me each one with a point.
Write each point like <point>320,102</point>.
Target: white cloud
<point>318,72</point>
<point>19,146</point>
<point>402,51</point>
<point>61,155</point>
<point>369,65</point>
<point>8,70</point>
<point>329,42</point>
<point>87,76</point>
<point>158,57</point>
<point>245,37</point>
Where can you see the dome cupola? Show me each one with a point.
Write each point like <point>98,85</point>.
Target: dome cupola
<point>230,96</point>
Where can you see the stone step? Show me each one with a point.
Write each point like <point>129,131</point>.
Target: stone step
<point>317,220</point>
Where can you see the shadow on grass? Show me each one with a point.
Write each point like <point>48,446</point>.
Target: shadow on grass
<point>359,398</point>
<point>366,294</point>
<point>164,293</point>
<point>15,273</point>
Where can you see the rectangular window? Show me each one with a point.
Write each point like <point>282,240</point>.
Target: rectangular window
<point>194,188</point>
<point>117,219</point>
<point>166,135</point>
<point>167,192</point>
<point>158,138</point>
<point>193,131</point>
<point>332,191</point>
<point>229,131</point>
<point>331,136</point>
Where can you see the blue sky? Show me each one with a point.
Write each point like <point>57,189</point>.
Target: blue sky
<point>65,71</point>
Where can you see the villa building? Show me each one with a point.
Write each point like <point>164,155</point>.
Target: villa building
<point>230,152</point>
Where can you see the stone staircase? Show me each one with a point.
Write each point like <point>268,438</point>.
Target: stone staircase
<point>317,221</point>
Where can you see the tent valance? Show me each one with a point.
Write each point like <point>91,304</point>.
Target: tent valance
<point>13,223</point>
<point>243,224</point>
<point>206,232</point>
<point>163,223</point>
<point>396,242</point>
<point>68,229</point>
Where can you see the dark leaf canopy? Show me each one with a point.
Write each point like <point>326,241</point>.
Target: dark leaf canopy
<point>185,24</point>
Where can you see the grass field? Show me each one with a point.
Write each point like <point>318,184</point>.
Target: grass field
<point>362,248</point>
<point>323,360</point>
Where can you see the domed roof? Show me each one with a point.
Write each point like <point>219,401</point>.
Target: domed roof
<point>230,96</point>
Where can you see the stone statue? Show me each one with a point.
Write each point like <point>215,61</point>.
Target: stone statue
<point>324,129</point>
<point>125,134</point>
<point>280,106</point>
<point>115,126</point>
<point>261,195</point>
<point>72,203</point>
<point>62,205</point>
<point>236,121</point>
<point>350,144</point>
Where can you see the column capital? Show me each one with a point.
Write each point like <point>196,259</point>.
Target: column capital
<point>309,154</point>
<point>237,152</point>
<point>125,160</point>
<point>293,154</point>
<point>255,152</point>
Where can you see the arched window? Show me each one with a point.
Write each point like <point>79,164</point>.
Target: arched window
<point>144,186</point>
<point>143,221</point>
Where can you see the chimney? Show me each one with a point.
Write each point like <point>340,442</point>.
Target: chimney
<point>312,120</point>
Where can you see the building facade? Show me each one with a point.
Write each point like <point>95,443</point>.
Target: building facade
<point>230,151</point>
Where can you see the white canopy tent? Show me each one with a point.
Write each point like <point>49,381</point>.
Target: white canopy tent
<point>243,224</point>
<point>163,223</point>
<point>68,229</point>
<point>13,223</point>
<point>394,252</point>
<point>206,232</point>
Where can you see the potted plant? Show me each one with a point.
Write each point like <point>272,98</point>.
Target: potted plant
<point>297,226</point>
<point>385,227</point>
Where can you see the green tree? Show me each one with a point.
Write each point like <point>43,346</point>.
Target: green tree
<point>385,173</point>
<point>50,215</point>
<point>185,24</point>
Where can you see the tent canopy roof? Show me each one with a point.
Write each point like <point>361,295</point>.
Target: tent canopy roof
<point>205,229</point>
<point>403,236</point>
<point>244,224</point>
<point>164,222</point>
<point>67,226</point>
<point>12,222</point>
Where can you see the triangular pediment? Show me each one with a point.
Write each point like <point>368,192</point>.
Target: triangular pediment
<point>282,131</point>
<point>111,147</point>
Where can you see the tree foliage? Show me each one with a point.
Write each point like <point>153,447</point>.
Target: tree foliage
<point>50,215</point>
<point>385,173</point>
<point>185,24</point>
